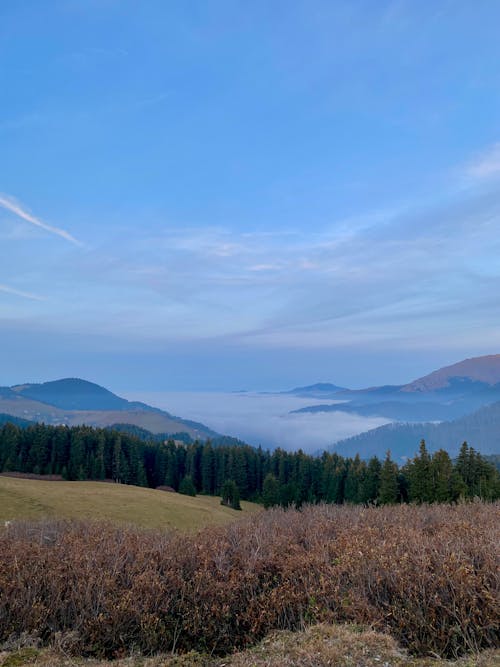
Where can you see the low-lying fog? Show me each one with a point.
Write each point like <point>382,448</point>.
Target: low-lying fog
<point>262,419</point>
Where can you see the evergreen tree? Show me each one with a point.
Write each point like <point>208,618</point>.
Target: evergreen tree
<point>231,495</point>
<point>420,477</point>
<point>442,476</point>
<point>99,471</point>
<point>187,487</point>
<point>116,470</point>
<point>208,469</point>
<point>9,438</point>
<point>270,491</point>
<point>389,487</point>
<point>370,487</point>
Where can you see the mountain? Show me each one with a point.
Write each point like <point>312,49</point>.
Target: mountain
<point>448,393</point>
<point>318,390</point>
<point>72,394</point>
<point>481,430</point>
<point>74,401</point>
<point>477,371</point>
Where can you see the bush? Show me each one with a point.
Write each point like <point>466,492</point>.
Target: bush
<point>428,575</point>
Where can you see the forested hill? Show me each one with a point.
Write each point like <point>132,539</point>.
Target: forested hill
<point>73,401</point>
<point>274,478</point>
<point>481,428</point>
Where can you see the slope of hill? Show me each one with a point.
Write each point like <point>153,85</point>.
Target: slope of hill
<point>73,401</point>
<point>481,430</point>
<point>478,370</point>
<point>149,508</point>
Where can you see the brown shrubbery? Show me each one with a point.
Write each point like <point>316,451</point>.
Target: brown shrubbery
<point>428,575</point>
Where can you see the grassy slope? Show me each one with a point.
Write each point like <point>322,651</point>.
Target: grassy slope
<point>156,422</point>
<point>36,499</point>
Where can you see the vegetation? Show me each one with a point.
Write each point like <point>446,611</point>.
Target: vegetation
<point>425,574</point>
<point>147,508</point>
<point>480,427</point>
<point>277,478</point>
<point>231,495</point>
<point>319,645</point>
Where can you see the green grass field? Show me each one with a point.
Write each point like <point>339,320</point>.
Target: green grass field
<point>148,508</point>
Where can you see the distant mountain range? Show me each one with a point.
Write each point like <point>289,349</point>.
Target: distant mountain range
<point>465,397</point>
<point>447,393</point>
<point>73,401</point>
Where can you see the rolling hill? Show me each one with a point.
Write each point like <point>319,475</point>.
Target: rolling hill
<point>73,401</point>
<point>120,503</point>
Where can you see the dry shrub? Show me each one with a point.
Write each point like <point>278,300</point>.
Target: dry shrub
<point>426,575</point>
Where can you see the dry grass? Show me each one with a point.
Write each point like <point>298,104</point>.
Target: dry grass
<point>318,646</point>
<point>428,576</point>
<point>148,508</point>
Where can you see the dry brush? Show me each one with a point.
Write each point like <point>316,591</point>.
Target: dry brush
<point>428,575</point>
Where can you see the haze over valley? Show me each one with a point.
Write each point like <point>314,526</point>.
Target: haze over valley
<point>263,418</point>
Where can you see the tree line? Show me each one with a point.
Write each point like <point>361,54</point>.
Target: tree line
<point>273,478</point>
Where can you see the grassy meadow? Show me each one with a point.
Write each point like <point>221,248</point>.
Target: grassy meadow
<point>30,499</point>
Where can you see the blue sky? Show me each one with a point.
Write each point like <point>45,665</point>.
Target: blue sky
<point>226,195</point>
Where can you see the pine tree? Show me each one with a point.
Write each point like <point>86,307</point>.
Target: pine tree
<point>420,476</point>
<point>370,487</point>
<point>208,469</point>
<point>186,487</point>
<point>270,491</point>
<point>230,495</point>
<point>9,438</point>
<point>116,471</point>
<point>442,473</point>
<point>389,488</point>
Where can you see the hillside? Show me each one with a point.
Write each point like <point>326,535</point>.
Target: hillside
<point>73,401</point>
<point>482,370</point>
<point>120,503</point>
<point>481,430</point>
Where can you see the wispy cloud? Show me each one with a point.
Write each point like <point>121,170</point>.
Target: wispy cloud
<point>21,293</point>
<point>17,209</point>
<point>486,165</point>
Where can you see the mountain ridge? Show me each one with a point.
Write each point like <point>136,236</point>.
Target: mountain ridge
<point>75,401</point>
<point>481,429</point>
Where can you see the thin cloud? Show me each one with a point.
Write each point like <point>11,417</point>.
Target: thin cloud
<point>486,165</point>
<point>16,208</point>
<point>16,292</point>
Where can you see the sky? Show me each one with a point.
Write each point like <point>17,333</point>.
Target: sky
<point>232,195</point>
